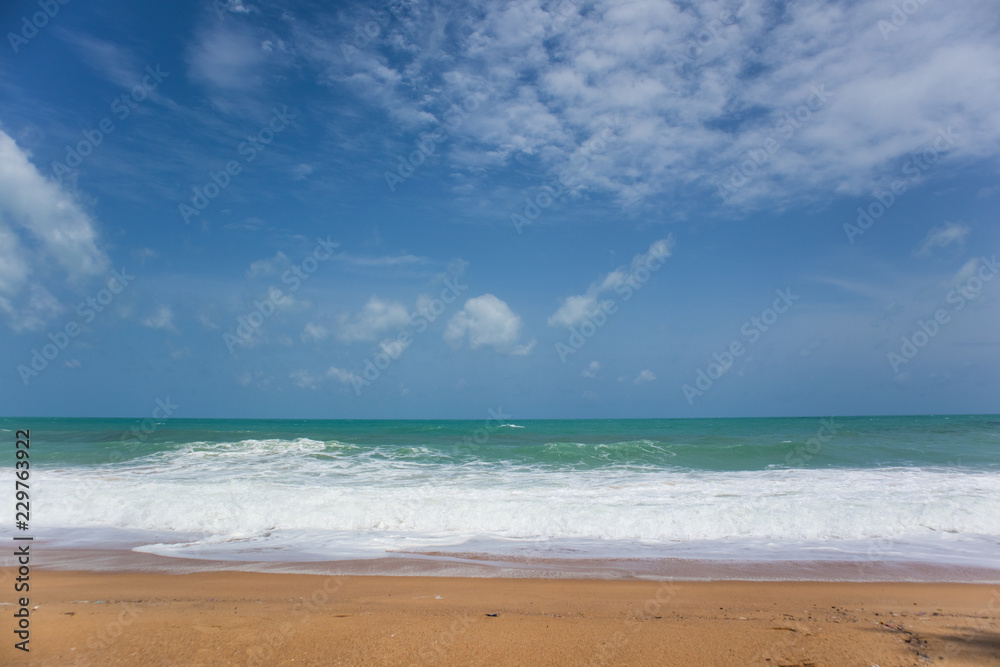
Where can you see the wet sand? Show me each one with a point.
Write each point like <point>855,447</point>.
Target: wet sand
<point>212,618</point>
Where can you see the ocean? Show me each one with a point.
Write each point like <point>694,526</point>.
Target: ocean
<point>917,489</point>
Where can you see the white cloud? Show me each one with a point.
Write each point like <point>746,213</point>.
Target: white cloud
<point>591,369</point>
<point>237,63</point>
<point>393,347</point>
<point>375,318</point>
<point>424,307</point>
<point>690,109</point>
<point>644,375</point>
<point>142,254</point>
<point>39,223</point>
<point>227,58</point>
<point>314,332</point>
<point>302,171</point>
<point>163,318</point>
<point>250,224</point>
<point>37,307</point>
<point>258,380</point>
<point>967,270</point>
<point>577,308</point>
<point>206,321</point>
<point>266,267</point>
<point>487,320</point>
<point>305,380</point>
<point>341,375</point>
<point>48,213</point>
<point>941,237</point>
<point>234,6</point>
<point>524,349</point>
<point>14,267</point>
<point>386,260</point>
<point>107,59</point>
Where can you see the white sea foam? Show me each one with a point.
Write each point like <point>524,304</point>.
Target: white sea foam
<point>325,499</point>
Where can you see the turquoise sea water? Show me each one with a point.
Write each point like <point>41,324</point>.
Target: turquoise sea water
<point>896,488</point>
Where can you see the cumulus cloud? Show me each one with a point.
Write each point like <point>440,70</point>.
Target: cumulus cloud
<point>342,375</point>
<point>269,266</point>
<point>375,318</point>
<point>967,271</point>
<point>941,237</point>
<point>305,379</point>
<point>206,321</point>
<point>143,254</point>
<point>163,318</point>
<point>40,224</point>
<point>301,172</point>
<point>314,332</point>
<point>257,379</point>
<point>591,369</point>
<point>644,376</point>
<point>393,347</point>
<point>577,308</point>
<point>487,320</point>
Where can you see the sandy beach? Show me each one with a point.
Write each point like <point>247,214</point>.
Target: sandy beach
<point>83,618</point>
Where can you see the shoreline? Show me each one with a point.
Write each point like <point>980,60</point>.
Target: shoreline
<point>222,617</point>
<point>478,565</point>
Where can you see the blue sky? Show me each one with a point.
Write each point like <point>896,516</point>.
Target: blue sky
<point>560,209</point>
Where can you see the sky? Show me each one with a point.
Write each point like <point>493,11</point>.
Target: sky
<point>558,209</point>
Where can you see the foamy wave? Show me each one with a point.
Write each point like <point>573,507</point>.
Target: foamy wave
<point>524,504</point>
<point>258,447</point>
